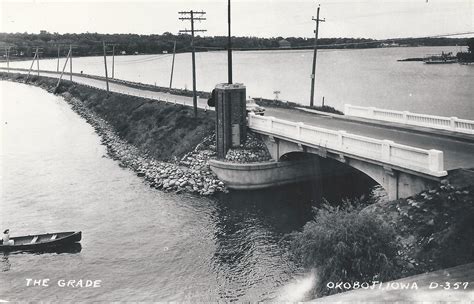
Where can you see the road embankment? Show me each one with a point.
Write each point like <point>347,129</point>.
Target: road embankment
<point>147,136</point>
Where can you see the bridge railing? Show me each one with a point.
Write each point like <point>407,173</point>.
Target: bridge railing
<point>420,160</point>
<point>405,117</point>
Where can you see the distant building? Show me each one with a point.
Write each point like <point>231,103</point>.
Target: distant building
<point>393,44</point>
<point>43,32</point>
<point>123,53</point>
<point>284,44</point>
<point>165,52</point>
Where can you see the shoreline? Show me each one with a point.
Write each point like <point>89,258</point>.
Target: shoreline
<point>166,176</point>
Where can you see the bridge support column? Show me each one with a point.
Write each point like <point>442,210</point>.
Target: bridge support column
<point>390,183</point>
<point>231,122</point>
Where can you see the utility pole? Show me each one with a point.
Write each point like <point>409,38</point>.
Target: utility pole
<point>113,58</point>
<point>172,64</point>
<point>313,74</point>
<point>105,63</point>
<point>70,62</point>
<point>192,18</point>
<point>229,47</point>
<point>7,52</point>
<point>113,61</point>
<point>57,66</point>
<point>31,66</point>
<point>37,62</point>
<point>64,68</point>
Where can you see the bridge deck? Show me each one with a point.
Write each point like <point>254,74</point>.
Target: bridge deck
<point>457,153</point>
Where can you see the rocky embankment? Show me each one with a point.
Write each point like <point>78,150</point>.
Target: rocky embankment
<point>145,136</point>
<point>165,144</point>
<point>196,177</point>
<point>254,150</point>
<point>434,227</point>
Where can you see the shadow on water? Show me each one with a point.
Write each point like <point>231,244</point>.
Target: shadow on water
<point>69,249</point>
<point>251,224</point>
<point>72,248</point>
<point>248,228</point>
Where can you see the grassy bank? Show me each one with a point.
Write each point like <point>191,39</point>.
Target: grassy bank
<point>147,136</point>
<point>164,131</point>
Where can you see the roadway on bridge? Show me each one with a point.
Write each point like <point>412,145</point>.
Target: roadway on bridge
<point>457,153</point>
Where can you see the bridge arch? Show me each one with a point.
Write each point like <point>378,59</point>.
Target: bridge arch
<point>396,183</point>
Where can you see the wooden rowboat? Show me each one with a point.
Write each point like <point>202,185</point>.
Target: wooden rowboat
<point>40,242</point>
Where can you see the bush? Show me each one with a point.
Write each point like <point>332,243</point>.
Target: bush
<point>346,246</point>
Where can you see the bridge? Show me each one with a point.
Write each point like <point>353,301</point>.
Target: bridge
<point>403,152</point>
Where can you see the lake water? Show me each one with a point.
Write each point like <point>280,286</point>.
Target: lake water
<point>143,244</point>
<point>368,77</point>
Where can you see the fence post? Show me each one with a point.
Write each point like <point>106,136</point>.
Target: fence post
<point>453,123</point>
<point>340,139</point>
<point>386,150</point>
<point>299,125</point>
<point>405,117</point>
<point>436,161</point>
<point>270,123</point>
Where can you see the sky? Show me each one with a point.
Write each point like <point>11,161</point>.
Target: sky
<point>378,19</point>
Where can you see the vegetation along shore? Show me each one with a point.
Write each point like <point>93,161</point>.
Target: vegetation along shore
<point>90,44</point>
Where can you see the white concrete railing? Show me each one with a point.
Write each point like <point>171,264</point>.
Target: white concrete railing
<point>431,121</point>
<point>420,160</point>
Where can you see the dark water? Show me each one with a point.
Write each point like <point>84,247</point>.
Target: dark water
<point>143,244</point>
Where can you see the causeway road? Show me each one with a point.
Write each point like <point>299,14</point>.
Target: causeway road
<point>458,152</point>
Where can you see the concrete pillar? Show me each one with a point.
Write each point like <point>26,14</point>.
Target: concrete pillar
<point>231,117</point>
<point>391,184</point>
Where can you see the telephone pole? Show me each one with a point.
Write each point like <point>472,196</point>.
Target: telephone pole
<point>64,68</point>
<point>113,58</point>
<point>70,62</point>
<point>192,18</point>
<point>113,61</point>
<point>105,63</point>
<point>32,63</point>
<point>313,74</point>
<point>229,46</point>
<point>172,64</point>
<point>7,53</point>
<point>59,50</point>
<point>37,62</point>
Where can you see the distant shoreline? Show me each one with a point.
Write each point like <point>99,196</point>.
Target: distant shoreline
<point>90,44</point>
<point>16,59</point>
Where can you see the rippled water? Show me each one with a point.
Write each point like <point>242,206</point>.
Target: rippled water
<point>367,77</point>
<point>142,244</point>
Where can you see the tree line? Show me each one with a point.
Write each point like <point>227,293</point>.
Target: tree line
<point>469,55</point>
<point>90,44</point>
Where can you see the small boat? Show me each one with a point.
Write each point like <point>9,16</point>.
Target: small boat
<point>442,58</point>
<point>40,242</point>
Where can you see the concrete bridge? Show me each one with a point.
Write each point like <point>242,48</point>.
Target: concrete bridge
<point>403,158</point>
<point>402,170</point>
<point>402,152</point>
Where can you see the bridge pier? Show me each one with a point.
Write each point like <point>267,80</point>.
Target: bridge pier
<point>231,117</point>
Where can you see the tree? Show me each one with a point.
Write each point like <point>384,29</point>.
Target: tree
<point>346,246</point>
<point>470,45</point>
